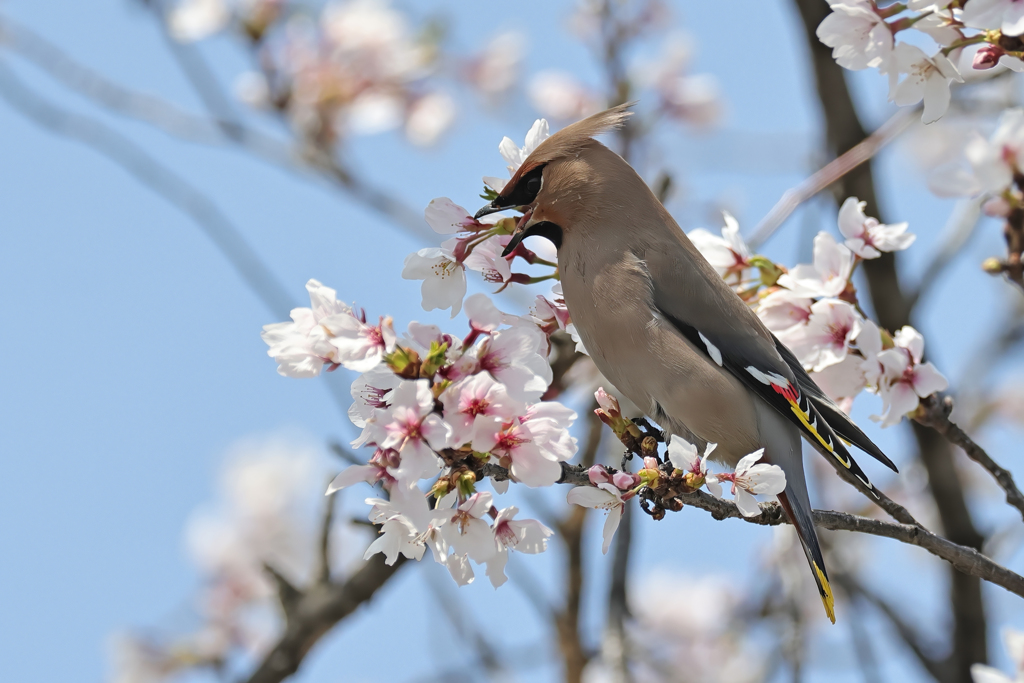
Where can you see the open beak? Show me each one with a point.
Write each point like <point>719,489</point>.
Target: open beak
<point>522,230</point>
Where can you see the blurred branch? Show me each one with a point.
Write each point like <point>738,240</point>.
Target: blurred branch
<point>905,631</point>
<point>843,129</point>
<point>615,644</point>
<point>322,574</point>
<point>315,613</point>
<point>167,117</point>
<point>460,621</point>
<point>570,531</point>
<point>158,178</point>
<point>831,173</point>
<point>934,412</point>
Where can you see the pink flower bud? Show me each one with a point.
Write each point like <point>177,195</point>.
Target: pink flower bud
<point>987,57</point>
<point>625,480</point>
<point>997,207</point>
<point>607,402</point>
<point>599,475</point>
<point>650,463</point>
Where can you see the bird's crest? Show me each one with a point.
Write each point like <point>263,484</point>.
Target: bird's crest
<point>573,138</point>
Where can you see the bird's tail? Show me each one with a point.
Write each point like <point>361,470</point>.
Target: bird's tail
<point>800,514</point>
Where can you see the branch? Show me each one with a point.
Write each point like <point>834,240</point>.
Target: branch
<point>157,177</point>
<point>315,613</point>
<point>966,559</point>
<point>905,631</point>
<point>934,412</point>
<point>832,172</point>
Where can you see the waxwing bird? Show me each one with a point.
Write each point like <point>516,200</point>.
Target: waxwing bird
<point>665,328</point>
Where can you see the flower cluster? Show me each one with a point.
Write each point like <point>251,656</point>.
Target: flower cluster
<point>436,407</point>
<point>813,309</point>
<point>356,67</point>
<point>863,35</point>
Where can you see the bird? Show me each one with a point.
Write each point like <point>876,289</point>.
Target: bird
<point>666,329</point>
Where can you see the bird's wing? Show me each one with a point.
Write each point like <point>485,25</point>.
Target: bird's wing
<point>691,296</point>
<point>839,421</point>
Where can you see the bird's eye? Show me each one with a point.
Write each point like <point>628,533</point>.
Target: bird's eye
<point>533,186</point>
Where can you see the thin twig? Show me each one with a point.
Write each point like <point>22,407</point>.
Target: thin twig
<point>156,176</point>
<point>934,412</point>
<point>831,172</point>
<point>323,569</point>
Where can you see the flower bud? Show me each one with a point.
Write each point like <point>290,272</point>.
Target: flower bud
<point>770,273</point>
<point>624,480</point>
<point>649,447</point>
<point>992,265</point>
<point>598,474</point>
<point>404,362</point>
<point>987,57</point>
<point>649,462</point>
<point>649,476</point>
<point>608,403</point>
<point>693,481</point>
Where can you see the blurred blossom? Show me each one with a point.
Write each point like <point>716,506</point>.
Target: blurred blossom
<point>559,95</point>
<point>251,88</point>
<point>687,623</point>
<point>1004,15</point>
<point>428,117</point>
<point>692,98</point>
<point>992,162</point>
<point>1014,642</point>
<point>495,70</point>
<point>196,19</point>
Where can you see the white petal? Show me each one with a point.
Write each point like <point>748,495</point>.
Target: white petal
<point>610,526</point>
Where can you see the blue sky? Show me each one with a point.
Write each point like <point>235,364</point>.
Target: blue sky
<point>134,359</point>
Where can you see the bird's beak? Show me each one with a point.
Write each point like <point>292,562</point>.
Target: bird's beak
<point>490,208</point>
<point>522,230</point>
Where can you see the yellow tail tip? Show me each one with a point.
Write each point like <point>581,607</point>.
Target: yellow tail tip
<point>826,593</point>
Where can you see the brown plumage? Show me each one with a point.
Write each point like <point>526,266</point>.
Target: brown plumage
<point>664,328</point>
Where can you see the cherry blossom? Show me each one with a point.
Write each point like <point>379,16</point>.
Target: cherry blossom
<point>370,391</point>
<point>478,405</point>
<point>515,155</point>
<point>828,276</point>
<point>857,34</point>
<point>685,456</point>
<point>826,337</point>
<point>447,218</point>
<point>602,497</point>
<point>728,253</point>
<point>410,427</point>
<point>752,478</point>
<point>927,78</point>
<point>842,380</point>
<point>783,309</point>
<point>444,279</point>
<point>527,451</point>
<point>487,260</point>
<point>361,347</point>
<point>1005,15</point>
<point>905,379</point>
<point>865,236</point>
<point>371,473</point>
<point>523,535</point>
<point>303,347</point>
<point>512,357</point>
<point>397,537</point>
<point>467,533</point>
<point>428,117</point>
